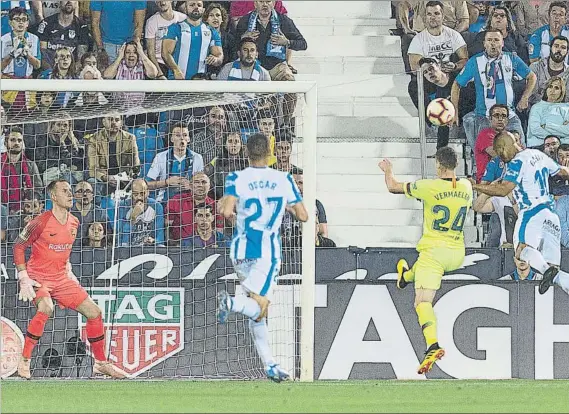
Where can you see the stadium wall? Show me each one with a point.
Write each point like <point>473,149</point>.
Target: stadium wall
<point>365,328</point>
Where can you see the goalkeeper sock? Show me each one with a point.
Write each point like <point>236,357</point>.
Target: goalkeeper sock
<point>96,337</point>
<point>428,322</point>
<point>260,334</point>
<point>534,258</point>
<point>34,333</point>
<point>245,306</point>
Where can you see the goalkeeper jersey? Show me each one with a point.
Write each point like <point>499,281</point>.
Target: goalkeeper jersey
<point>445,205</point>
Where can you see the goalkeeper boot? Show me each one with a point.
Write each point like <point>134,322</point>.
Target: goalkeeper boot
<point>276,374</point>
<point>223,306</point>
<point>547,280</point>
<point>402,267</point>
<point>24,368</point>
<point>108,369</point>
<point>433,354</point>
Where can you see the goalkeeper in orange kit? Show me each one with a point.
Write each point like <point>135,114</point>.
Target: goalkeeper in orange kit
<point>446,201</point>
<point>47,275</point>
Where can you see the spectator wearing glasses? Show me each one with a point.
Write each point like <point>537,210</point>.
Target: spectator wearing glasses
<point>554,65</point>
<point>551,115</point>
<point>7,6</point>
<point>493,74</point>
<point>542,37</point>
<point>21,55</point>
<point>86,211</point>
<point>483,149</point>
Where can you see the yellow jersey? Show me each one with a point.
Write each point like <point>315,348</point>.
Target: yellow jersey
<point>445,205</point>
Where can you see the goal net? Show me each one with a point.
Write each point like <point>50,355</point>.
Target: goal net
<point>147,161</point>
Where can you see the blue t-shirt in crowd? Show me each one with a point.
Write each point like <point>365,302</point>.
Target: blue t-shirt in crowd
<point>117,19</point>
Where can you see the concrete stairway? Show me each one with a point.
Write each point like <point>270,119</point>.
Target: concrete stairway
<point>365,114</point>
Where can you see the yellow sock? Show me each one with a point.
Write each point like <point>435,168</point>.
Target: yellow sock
<point>409,275</point>
<point>428,322</point>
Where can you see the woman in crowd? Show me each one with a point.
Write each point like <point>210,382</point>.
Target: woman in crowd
<point>89,59</point>
<point>64,68</point>
<point>96,235</point>
<point>131,64</point>
<point>230,158</point>
<point>550,116</point>
<point>216,17</point>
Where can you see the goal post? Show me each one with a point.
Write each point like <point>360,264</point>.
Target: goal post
<point>175,95</point>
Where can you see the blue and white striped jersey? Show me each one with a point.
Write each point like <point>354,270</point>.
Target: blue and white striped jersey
<point>530,170</point>
<point>263,194</point>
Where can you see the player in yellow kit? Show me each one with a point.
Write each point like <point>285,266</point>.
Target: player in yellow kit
<point>446,201</point>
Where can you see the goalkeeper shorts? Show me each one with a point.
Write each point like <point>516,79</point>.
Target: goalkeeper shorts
<point>67,293</point>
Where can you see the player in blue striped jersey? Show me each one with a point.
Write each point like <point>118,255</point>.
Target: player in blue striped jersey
<point>260,195</point>
<point>190,46</point>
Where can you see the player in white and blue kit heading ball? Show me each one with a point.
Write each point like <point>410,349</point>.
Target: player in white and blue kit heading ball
<point>537,232</point>
<point>260,195</point>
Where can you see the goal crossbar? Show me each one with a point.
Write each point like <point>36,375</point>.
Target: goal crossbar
<point>309,136</point>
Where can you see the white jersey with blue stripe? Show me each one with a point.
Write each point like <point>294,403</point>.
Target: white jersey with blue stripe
<point>263,194</point>
<point>530,170</point>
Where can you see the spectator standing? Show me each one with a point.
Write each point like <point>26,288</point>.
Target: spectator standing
<point>114,23</point>
<point>478,12</point>
<point>156,28</point>
<point>111,151</point>
<point>207,140</point>
<point>493,73</point>
<point>86,211</point>
<point>216,17</point>
<point>483,149</point>
<point>21,55</point>
<point>180,208</point>
<point>266,124</point>
<point>554,65</point>
<point>141,219</point>
<point>551,115</point>
<point>274,34</point>
<point>63,29</point>
<point>542,37</point>
<point>525,17</point>
<point>241,8</point>
<point>205,234</point>
<point>190,46</point>
<point>283,149</point>
<point>172,169</point>
<point>230,158</point>
<point>18,173</point>
<point>247,67</point>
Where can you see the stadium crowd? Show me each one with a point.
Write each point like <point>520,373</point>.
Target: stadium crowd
<point>173,162</point>
<point>505,67</point>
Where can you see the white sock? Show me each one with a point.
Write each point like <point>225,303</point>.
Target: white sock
<point>562,279</point>
<point>534,259</point>
<point>245,306</point>
<point>260,334</point>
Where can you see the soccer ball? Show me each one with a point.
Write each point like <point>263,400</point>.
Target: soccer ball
<point>440,112</point>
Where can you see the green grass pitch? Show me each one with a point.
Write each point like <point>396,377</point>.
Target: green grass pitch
<point>261,396</point>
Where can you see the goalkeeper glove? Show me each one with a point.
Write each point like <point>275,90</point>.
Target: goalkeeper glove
<point>27,292</point>
<point>70,274</point>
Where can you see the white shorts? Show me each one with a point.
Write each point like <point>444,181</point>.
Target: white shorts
<point>539,228</point>
<point>257,275</point>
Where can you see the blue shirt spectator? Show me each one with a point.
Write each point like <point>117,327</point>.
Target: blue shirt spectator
<point>493,79</point>
<point>116,22</point>
<point>148,143</point>
<point>193,45</point>
<point>141,219</point>
<point>540,40</point>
